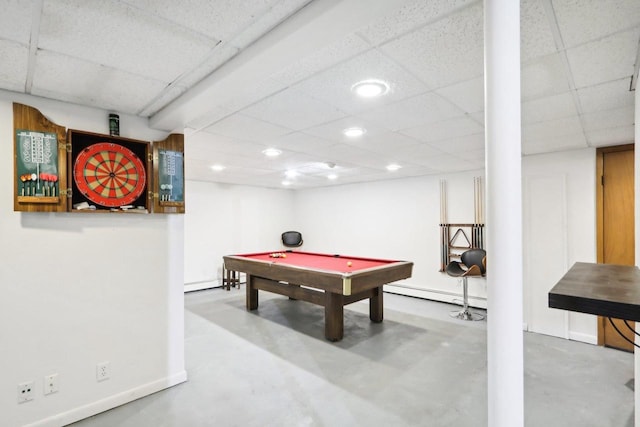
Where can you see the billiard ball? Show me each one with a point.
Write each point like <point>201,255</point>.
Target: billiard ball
<point>284,255</point>
<point>349,264</point>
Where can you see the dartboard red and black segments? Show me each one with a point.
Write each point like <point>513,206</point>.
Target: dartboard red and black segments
<point>109,174</point>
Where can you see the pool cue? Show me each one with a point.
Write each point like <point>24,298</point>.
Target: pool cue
<point>444,241</point>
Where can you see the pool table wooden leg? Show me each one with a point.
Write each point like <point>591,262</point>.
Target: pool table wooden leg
<point>333,316</point>
<point>252,294</point>
<point>376,305</point>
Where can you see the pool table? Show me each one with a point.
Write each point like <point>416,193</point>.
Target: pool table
<point>331,281</point>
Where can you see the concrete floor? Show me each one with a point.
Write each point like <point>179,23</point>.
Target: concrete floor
<point>419,367</point>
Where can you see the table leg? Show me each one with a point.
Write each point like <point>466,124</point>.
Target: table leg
<point>333,316</point>
<point>252,294</point>
<point>376,306</point>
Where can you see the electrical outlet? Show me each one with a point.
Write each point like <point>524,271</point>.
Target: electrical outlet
<point>50,384</point>
<point>26,391</point>
<point>103,371</point>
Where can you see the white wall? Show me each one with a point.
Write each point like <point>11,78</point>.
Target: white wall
<point>224,219</point>
<point>396,219</point>
<point>559,229</point>
<point>399,219</point>
<point>79,289</point>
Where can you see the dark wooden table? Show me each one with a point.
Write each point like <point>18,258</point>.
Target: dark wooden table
<point>601,289</point>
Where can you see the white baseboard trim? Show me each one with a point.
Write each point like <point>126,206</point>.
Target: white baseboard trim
<point>110,402</point>
<point>434,294</point>
<point>586,338</point>
<point>198,286</point>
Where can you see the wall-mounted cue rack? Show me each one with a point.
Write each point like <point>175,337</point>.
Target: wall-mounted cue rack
<point>466,236</point>
<point>59,170</point>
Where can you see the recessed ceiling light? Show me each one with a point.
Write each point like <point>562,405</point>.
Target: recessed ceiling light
<point>271,152</point>
<point>286,183</point>
<point>393,167</point>
<point>370,88</point>
<point>218,168</point>
<point>354,132</point>
<point>332,176</point>
<point>291,174</point>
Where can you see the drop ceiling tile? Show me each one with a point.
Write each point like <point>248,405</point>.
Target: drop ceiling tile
<point>621,117</point>
<point>13,74</point>
<point>477,157</point>
<point>16,21</point>
<point>607,59</point>
<point>446,163</point>
<point>412,15</point>
<point>215,114</point>
<point>385,144</point>
<point>218,56</point>
<point>445,129</point>
<point>161,100</point>
<point>204,144</point>
<point>612,136</point>
<point>247,128</point>
<point>317,168</point>
<point>606,96</point>
<point>477,117</point>
<point>334,85</point>
<point>299,142</point>
<point>411,112</point>
<point>535,32</point>
<point>581,21</point>
<point>293,109</point>
<point>215,59</point>
<point>345,153</point>
<point>79,82</point>
<point>446,52</point>
<point>332,131</point>
<point>552,129</point>
<point>231,162</point>
<point>554,144</point>
<point>548,108</point>
<point>216,19</point>
<point>300,160</point>
<point>322,59</point>
<point>545,76</point>
<point>464,144</point>
<point>416,153</point>
<point>278,12</point>
<point>468,95</point>
<point>120,36</point>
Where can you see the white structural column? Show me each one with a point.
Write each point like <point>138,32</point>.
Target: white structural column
<point>504,213</point>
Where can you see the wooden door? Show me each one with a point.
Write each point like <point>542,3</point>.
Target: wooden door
<point>616,230</point>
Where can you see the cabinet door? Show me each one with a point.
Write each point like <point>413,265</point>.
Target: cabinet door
<point>40,162</point>
<point>168,175</point>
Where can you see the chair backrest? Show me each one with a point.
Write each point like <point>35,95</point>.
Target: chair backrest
<point>475,257</point>
<point>292,239</point>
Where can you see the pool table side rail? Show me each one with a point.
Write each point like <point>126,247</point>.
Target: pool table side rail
<point>322,279</point>
<point>355,258</point>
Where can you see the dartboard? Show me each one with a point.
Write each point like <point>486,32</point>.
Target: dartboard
<point>109,174</point>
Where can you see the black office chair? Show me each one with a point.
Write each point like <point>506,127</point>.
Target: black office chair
<point>292,239</point>
<point>472,263</point>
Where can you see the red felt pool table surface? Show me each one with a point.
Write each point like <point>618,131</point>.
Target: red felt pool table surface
<point>337,263</point>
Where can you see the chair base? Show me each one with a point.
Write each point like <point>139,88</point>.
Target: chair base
<point>466,314</point>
